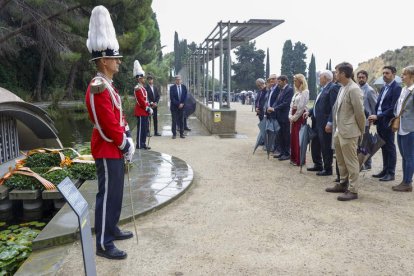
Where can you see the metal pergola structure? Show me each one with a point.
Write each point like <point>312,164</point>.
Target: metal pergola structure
<point>224,37</point>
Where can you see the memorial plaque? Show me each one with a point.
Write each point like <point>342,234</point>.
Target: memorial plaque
<point>80,207</point>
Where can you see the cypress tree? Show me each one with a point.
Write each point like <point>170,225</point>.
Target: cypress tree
<point>312,78</point>
<point>177,53</point>
<point>287,58</point>
<point>267,64</point>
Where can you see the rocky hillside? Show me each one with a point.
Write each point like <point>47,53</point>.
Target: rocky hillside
<point>399,58</point>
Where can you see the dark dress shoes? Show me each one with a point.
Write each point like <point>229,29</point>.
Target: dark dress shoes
<point>387,177</point>
<point>338,188</point>
<point>123,235</point>
<point>188,129</point>
<point>284,157</point>
<point>182,136</point>
<point>379,175</point>
<point>157,134</point>
<point>173,137</point>
<point>347,196</point>
<point>324,173</point>
<point>113,253</point>
<point>277,155</point>
<point>146,148</point>
<point>402,187</point>
<point>314,169</point>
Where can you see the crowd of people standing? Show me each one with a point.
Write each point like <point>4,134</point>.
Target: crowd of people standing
<point>344,109</point>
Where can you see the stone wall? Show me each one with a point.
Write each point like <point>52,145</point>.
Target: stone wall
<point>217,121</point>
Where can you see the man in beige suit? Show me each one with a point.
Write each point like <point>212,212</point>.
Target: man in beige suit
<point>348,126</point>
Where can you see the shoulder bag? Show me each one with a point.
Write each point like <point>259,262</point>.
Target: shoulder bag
<point>395,122</point>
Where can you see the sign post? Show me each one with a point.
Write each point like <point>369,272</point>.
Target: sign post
<point>80,207</point>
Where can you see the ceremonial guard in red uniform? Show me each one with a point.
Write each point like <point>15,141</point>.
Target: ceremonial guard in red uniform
<point>111,140</point>
<point>142,107</point>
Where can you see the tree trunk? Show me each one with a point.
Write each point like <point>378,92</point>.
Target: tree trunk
<point>36,21</point>
<point>38,89</point>
<point>71,80</point>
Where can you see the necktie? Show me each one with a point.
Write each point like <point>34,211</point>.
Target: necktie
<point>179,92</point>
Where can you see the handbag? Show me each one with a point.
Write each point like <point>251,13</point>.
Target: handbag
<point>395,122</point>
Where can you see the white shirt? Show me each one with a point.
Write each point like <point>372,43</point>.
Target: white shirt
<point>387,87</point>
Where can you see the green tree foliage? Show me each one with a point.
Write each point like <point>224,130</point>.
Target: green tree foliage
<point>293,59</point>
<point>250,66</point>
<point>177,57</point>
<point>43,51</point>
<point>267,64</point>
<point>329,65</point>
<point>298,63</point>
<point>287,58</point>
<point>312,78</point>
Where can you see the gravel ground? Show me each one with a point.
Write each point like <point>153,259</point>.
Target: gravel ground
<point>247,215</point>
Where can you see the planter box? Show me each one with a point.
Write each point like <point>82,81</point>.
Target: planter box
<point>4,192</point>
<point>24,194</point>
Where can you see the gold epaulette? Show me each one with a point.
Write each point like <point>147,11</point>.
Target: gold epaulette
<point>98,85</point>
<point>138,86</point>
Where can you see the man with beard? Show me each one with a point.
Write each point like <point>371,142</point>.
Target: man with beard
<point>384,112</point>
<point>370,101</point>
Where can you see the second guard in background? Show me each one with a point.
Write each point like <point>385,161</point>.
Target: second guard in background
<point>142,107</point>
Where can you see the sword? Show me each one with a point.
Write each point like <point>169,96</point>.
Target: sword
<point>132,203</point>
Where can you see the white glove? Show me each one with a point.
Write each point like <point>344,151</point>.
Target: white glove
<point>131,150</point>
<point>149,110</point>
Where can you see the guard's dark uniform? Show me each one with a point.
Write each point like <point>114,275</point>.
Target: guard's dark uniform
<point>108,136</point>
<point>141,113</point>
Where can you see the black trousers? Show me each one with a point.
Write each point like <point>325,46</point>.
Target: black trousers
<point>108,200</point>
<point>177,116</point>
<point>284,138</point>
<point>142,131</point>
<point>155,119</point>
<point>389,151</point>
<point>321,149</point>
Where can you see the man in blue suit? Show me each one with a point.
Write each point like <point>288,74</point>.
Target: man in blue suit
<point>321,115</point>
<point>384,112</point>
<point>281,108</point>
<point>178,95</point>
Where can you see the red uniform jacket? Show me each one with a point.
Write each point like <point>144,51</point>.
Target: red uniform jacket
<point>142,102</point>
<point>108,115</point>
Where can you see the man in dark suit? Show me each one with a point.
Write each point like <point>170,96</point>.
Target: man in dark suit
<point>178,95</point>
<point>153,99</point>
<point>281,108</point>
<point>321,115</point>
<point>384,112</point>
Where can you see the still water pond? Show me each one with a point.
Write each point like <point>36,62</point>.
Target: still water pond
<point>73,124</point>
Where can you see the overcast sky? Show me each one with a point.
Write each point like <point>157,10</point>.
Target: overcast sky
<point>352,30</point>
